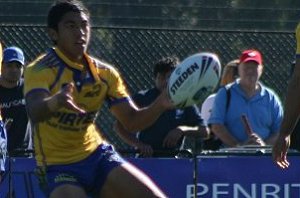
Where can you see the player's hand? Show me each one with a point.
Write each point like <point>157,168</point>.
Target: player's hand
<point>65,99</point>
<point>172,138</point>
<point>145,150</point>
<point>279,151</point>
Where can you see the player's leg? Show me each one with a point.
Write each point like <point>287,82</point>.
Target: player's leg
<point>127,181</point>
<point>68,191</point>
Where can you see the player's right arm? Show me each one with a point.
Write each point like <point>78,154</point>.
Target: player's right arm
<point>40,103</point>
<point>292,107</point>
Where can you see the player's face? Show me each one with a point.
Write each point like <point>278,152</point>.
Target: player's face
<point>12,71</point>
<point>250,72</point>
<point>73,35</point>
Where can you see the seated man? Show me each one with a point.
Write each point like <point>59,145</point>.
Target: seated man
<point>251,98</point>
<point>165,136</point>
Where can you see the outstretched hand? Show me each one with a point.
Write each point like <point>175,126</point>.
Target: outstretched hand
<point>65,99</point>
<point>279,151</point>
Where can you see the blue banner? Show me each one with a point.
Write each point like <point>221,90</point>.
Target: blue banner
<point>215,176</point>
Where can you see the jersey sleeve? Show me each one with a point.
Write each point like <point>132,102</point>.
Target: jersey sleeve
<point>37,79</point>
<point>117,89</point>
<point>298,41</point>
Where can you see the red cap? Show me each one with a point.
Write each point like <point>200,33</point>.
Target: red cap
<point>251,55</point>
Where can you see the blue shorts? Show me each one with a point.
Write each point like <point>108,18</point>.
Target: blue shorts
<point>89,173</point>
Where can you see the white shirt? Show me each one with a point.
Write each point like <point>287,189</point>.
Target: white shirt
<point>207,106</point>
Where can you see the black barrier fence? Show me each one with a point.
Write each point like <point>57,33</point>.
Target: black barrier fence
<point>134,51</point>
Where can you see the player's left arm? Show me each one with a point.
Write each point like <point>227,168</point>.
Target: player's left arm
<point>291,115</point>
<point>272,139</point>
<point>136,119</point>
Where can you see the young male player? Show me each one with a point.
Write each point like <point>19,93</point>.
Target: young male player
<point>291,115</point>
<point>65,88</point>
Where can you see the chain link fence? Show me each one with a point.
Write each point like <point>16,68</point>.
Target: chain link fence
<point>134,51</point>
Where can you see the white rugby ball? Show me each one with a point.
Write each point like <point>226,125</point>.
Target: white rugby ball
<point>194,79</point>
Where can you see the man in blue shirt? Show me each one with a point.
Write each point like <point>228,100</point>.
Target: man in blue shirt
<point>250,98</point>
<point>165,136</point>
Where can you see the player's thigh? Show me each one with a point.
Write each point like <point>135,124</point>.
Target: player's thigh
<point>68,191</point>
<point>127,181</point>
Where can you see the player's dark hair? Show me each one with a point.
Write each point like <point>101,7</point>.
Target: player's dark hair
<point>165,65</point>
<point>60,8</point>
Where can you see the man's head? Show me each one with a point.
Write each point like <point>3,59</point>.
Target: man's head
<point>12,64</point>
<point>162,71</point>
<point>251,66</point>
<point>68,25</point>
<point>230,72</point>
<point>60,8</point>
<point>251,56</point>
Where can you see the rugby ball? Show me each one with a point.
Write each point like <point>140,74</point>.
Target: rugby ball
<point>194,79</point>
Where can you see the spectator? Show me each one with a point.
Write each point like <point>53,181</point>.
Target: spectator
<point>64,89</point>
<point>229,75</point>
<point>251,98</point>
<point>164,137</point>
<point>12,100</point>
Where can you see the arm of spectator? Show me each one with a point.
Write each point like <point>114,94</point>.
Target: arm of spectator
<point>175,135</point>
<point>222,133</point>
<point>197,131</point>
<point>254,139</point>
<point>131,139</point>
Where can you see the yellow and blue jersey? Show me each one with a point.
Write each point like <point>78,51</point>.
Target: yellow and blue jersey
<point>67,136</point>
<point>1,54</point>
<point>298,40</point>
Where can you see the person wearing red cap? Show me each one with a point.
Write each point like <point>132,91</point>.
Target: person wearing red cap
<point>250,98</point>
<point>291,115</point>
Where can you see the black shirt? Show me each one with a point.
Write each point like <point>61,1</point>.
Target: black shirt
<point>155,134</point>
<point>12,105</point>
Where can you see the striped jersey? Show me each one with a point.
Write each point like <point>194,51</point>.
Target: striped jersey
<point>67,136</point>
